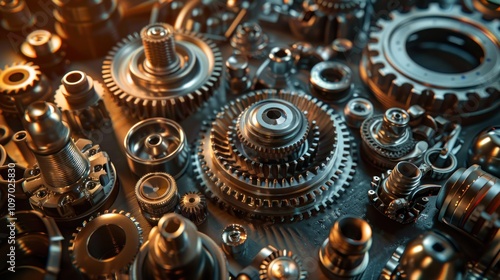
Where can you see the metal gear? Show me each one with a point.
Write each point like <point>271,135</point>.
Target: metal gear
<point>193,205</point>
<point>282,264</point>
<point>260,188</point>
<point>392,70</point>
<point>22,84</point>
<point>106,245</point>
<point>156,195</point>
<point>338,6</point>
<point>162,72</point>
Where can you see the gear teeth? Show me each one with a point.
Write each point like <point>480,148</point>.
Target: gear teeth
<point>193,205</point>
<point>280,254</point>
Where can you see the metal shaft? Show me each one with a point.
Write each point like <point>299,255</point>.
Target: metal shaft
<point>159,48</point>
<point>404,178</point>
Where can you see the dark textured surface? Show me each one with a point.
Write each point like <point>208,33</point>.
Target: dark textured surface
<point>303,238</point>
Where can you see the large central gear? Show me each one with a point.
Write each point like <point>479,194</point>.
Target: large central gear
<point>289,188</point>
<point>396,63</point>
<point>163,73</point>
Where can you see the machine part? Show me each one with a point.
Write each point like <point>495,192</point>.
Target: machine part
<point>22,84</point>
<point>80,99</point>
<point>468,201</point>
<point>357,110</point>
<point>429,57</point>
<point>342,47</point>
<point>5,134</point>
<point>20,139</point>
<point>331,81</point>
<point>485,151</point>
<point>277,71</point>
<point>16,15</point>
<point>193,205</point>
<point>238,74</point>
<point>387,139</point>
<point>157,145</point>
<point>281,264</point>
<point>162,73</point>
<point>234,238</point>
<point>89,27</point>
<point>345,252</point>
<point>489,8</point>
<point>106,245</point>
<point>439,170</point>
<point>38,246</point>
<point>327,20</point>
<point>488,266</point>
<point>393,193</point>
<point>305,55</point>
<point>432,255</point>
<point>317,169</point>
<point>71,180</point>
<point>157,195</point>
<point>175,250</point>
<point>250,40</point>
<point>44,49</point>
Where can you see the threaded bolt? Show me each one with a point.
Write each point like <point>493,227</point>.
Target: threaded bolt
<point>404,178</point>
<point>159,48</point>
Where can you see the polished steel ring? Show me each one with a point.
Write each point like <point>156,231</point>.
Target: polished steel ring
<point>331,80</point>
<point>157,145</point>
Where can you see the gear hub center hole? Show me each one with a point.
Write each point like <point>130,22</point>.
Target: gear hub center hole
<point>438,247</point>
<point>192,200</point>
<point>106,242</point>
<point>331,75</point>
<point>16,77</point>
<point>154,140</point>
<point>274,116</point>
<point>351,230</point>
<point>444,51</point>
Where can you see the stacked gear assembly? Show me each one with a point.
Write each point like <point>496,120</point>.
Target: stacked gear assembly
<point>307,149</point>
<point>163,73</point>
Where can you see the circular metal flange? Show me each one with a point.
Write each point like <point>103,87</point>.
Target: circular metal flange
<point>281,264</point>
<point>157,195</point>
<point>106,245</point>
<point>157,145</point>
<point>440,172</point>
<point>331,80</point>
<point>176,95</point>
<point>234,238</point>
<point>250,188</point>
<point>357,110</point>
<point>398,77</point>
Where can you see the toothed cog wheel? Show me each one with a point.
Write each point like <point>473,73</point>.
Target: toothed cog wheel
<point>275,155</point>
<point>436,59</point>
<point>23,82</point>
<point>338,6</point>
<point>282,264</point>
<point>163,73</point>
<point>193,205</point>
<point>106,245</point>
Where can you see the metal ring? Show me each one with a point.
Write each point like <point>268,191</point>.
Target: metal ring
<point>439,173</point>
<point>331,80</point>
<point>157,145</point>
<point>357,110</point>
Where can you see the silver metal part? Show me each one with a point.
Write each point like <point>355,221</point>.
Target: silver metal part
<point>485,151</point>
<point>234,238</point>
<point>89,27</point>
<point>157,195</point>
<point>43,48</point>
<point>277,71</point>
<point>80,99</point>
<point>157,145</point>
<point>250,40</point>
<point>357,110</point>
<point>305,55</point>
<point>488,266</point>
<point>106,245</point>
<point>468,201</point>
<point>238,74</point>
<point>345,252</point>
<point>331,80</point>
<point>392,193</point>
<point>225,159</point>
<point>162,72</point>
<point>16,15</point>
<point>432,255</point>
<point>489,8</point>
<point>20,85</point>
<point>281,264</point>
<point>38,246</point>
<point>387,139</point>
<point>440,169</point>
<point>402,70</point>
<point>193,205</point>
<point>71,180</point>
<point>175,250</point>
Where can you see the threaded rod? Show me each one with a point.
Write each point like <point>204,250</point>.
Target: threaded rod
<point>159,48</point>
